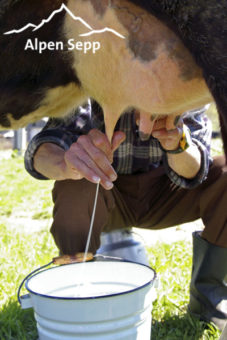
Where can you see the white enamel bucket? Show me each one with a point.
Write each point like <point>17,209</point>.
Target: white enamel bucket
<point>114,303</point>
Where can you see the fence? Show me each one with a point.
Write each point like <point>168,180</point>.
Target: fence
<point>18,139</point>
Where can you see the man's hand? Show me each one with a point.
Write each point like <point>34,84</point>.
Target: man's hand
<point>168,130</point>
<point>90,157</point>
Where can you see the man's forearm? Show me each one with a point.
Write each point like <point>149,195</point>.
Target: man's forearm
<point>186,164</point>
<point>89,157</point>
<point>49,161</point>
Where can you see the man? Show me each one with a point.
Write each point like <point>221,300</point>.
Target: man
<point>157,180</point>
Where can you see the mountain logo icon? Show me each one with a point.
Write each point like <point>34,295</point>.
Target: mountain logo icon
<point>91,31</point>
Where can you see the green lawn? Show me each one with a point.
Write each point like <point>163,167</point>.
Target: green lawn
<point>23,250</point>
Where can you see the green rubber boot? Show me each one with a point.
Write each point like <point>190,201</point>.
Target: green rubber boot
<point>208,289</point>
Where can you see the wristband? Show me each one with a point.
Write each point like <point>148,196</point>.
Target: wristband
<point>184,143</point>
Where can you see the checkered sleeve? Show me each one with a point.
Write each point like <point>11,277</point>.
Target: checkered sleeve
<point>62,132</point>
<point>201,132</point>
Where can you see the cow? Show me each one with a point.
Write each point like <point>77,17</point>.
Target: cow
<point>158,56</point>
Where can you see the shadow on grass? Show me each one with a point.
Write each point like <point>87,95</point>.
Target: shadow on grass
<point>185,327</point>
<point>17,324</point>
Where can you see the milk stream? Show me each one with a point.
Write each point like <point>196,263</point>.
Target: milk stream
<point>83,285</point>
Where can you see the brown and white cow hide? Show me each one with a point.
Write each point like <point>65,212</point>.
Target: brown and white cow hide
<point>157,68</point>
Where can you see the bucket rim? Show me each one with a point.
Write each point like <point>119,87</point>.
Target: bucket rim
<point>91,297</point>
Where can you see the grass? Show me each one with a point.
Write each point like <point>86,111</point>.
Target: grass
<point>20,194</point>
<point>20,254</point>
<point>173,264</point>
<point>22,251</point>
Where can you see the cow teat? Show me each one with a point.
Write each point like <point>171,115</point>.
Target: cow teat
<point>110,119</point>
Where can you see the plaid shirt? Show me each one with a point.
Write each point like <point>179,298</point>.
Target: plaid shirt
<point>133,156</point>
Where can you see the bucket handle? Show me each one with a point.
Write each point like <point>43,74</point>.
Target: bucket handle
<point>27,277</point>
<point>60,260</point>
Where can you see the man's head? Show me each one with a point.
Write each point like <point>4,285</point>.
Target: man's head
<point>149,69</point>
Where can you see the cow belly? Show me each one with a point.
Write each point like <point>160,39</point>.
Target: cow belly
<point>150,69</point>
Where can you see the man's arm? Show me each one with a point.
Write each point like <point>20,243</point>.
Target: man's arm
<point>169,132</point>
<point>190,167</point>
<point>186,164</point>
<point>62,133</point>
<point>49,161</point>
<point>89,157</point>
